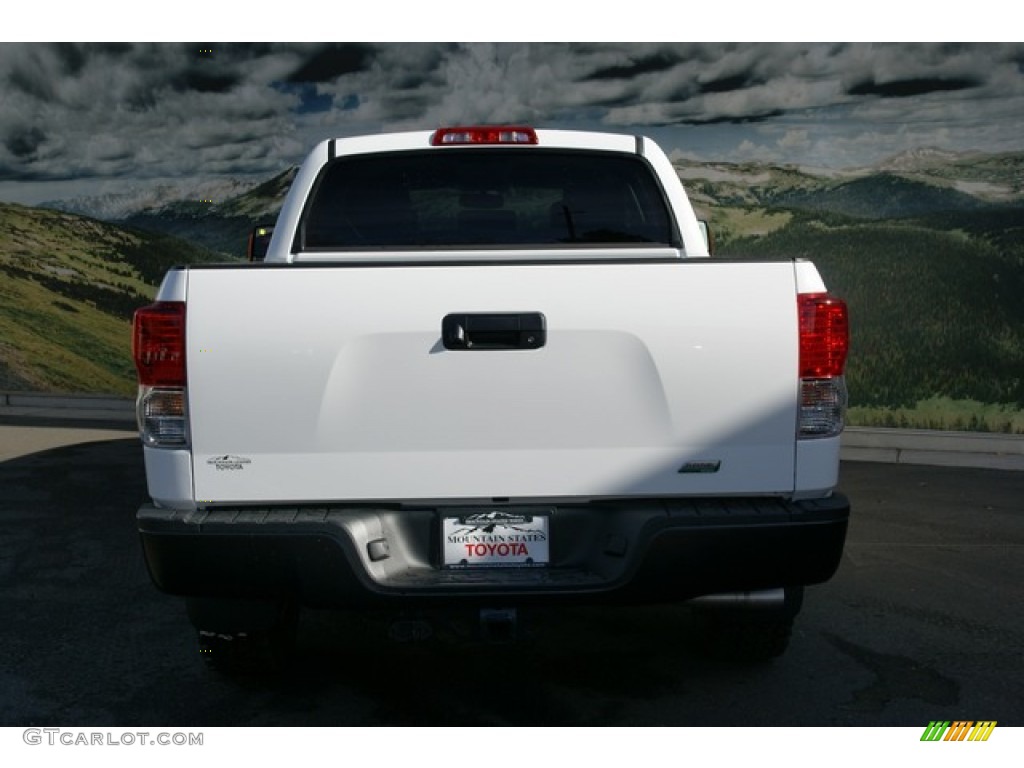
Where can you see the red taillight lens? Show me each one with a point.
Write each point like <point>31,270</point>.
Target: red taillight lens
<point>824,335</point>
<point>483,134</point>
<point>158,344</point>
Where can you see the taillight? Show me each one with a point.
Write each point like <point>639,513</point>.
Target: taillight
<point>824,345</point>
<point>158,348</point>
<point>484,134</point>
<point>824,335</point>
<point>158,344</point>
<point>162,416</point>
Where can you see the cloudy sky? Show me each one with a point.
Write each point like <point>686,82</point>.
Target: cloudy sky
<point>89,117</point>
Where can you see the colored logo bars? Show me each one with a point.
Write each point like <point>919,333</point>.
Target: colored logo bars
<point>958,730</point>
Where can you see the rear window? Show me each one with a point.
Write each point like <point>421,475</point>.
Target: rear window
<point>478,197</point>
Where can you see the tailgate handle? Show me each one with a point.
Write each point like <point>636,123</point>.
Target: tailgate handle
<point>497,330</point>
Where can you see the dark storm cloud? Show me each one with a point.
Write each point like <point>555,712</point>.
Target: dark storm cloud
<point>23,143</point>
<point>331,62</point>
<point>913,87</point>
<point>183,109</point>
<point>410,81</point>
<point>194,79</point>
<point>27,79</point>
<point>731,83</point>
<point>149,110</point>
<point>738,120</point>
<point>71,56</point>
<point>657,62</point>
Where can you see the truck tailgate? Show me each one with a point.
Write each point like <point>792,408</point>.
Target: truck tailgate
<point>332,384</point>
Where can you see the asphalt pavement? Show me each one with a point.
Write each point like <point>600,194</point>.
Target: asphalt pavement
<point>924,620</point>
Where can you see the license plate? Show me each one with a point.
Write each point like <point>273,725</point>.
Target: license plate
<point>494,539</point>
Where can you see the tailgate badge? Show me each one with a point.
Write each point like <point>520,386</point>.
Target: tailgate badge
<point>699,467</point>
<point>229,463</point>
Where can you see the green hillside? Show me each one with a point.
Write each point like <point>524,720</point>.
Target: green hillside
<point>928,250</point>
<point>936,314</point>
<point>68,288</point>
<point>192,221</point>
<point>881,196</point>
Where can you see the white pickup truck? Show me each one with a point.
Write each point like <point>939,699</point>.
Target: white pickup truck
<point>491,366</point>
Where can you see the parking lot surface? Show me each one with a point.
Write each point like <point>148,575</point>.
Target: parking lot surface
<point>923,621</point>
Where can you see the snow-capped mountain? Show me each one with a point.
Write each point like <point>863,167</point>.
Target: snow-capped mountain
<point>921,158</point>
<point>121,204</point>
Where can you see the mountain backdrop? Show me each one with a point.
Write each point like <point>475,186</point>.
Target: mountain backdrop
<point>927,248</point>
<point>928,251</point>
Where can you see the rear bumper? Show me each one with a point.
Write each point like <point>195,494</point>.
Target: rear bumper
<point>631,551</point>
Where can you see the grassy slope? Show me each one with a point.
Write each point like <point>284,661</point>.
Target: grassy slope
<point>933,277</point>
<point>880,196</point>
<point>937,319</point>
<point>68,287</point>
